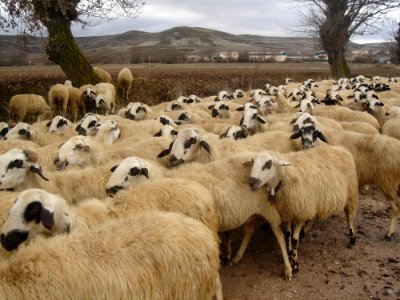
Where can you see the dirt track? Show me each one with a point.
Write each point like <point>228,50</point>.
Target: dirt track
<point>328,269</point>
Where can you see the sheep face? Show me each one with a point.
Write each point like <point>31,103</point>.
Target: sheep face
<point>20,131</point>
<point>220,109</point>
<point>373,105</point>
<point>302,120</point>
<point>309,135</point>
<point>110,131</point>
<point>235,132</point>
<point>33,213</point>
<point>174,105</point>
<point>4,128</point>
<point>185,147</point>
<point>131,170</point>
<point>59,124</point>
<point>251,119</point>
<point>238,94</point>
<point>166,121</point>
<point>265,168</point>
<point>192,99</point>
<point>137,112</point>
<point>223,95</point>
<point>183,118</point>
<point>167,131</point>
<point>74,152</point>
<point>14,166</point>
<point>88,125</point>
<point>394,112</point>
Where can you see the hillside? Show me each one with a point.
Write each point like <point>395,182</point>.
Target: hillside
<point>135,46</point>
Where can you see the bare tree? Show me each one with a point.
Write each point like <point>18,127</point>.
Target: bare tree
<point>56,16</point>
<point>335,21</point>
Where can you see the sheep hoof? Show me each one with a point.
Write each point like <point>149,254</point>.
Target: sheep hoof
<point>352,242</point>
<point>388,238</point>
<point>288,275</point>
<point>295,267</point>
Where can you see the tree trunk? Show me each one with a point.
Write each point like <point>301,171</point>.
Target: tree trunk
<point>337,62</point>
<point>62,49</point>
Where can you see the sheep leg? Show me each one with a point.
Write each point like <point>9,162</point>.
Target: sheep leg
<point>282,245</point>
<point>227,251</point>
<point>295,245</point>
<point>249,228</point>
<point>350,215</point>
<point>306,229</point>
<point>288,236</point>
<point>218,289</point>
<point>394,203</point>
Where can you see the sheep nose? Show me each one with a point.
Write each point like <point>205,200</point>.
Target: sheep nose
<point>113,190</point>
<point>174,161</point>
<point>13,239</point>
<point>254,183</point>
<point>307,144</point>
<point>214,113</point>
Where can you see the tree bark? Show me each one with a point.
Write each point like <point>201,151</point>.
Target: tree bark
<point>63,50</point>
<point>338,64</point>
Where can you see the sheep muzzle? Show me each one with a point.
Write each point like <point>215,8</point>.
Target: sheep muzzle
<point>13,239</point>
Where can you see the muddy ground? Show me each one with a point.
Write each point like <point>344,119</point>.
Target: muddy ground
<point>328,269</point>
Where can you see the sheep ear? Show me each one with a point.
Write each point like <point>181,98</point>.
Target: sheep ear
<point>166,151</point>
<point>48,124</point>
<point>280,162</point>
<point>113,168</point>
<point>261,119</point>
<point>158,133</point>
<point>211,107</point>
<point>77,127</point>
<point>248,163</point>
<point>318,134</point>
<point>296,135</point>
<point>240,108</point>
<point>206,146</point>
<point>38,170</point>
<point>31,156</point>
<point>145,172</point>
<point>293,121</point>
<point>47,218</point>
<point>297,106</point>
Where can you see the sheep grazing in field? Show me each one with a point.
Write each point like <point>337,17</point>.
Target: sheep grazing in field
<point>76,104</point>
<point>235,132</point>
<point>132,170</point>
<point>15,164</point>
<point>102,74</point>
<point>27,107</point>
<point>392,125</point>
<point>334,190</point>
<point>58,99</point>
<point>167,131</point>
<point>58,124</point>
<point>158,244</point>
<point>4,128</point>
<point>105,98</point>
<point>125,80</point>
<point>20,131</point>
<point>88,125</point>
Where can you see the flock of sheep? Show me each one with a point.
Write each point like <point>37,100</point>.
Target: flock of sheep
<point>132,204</point>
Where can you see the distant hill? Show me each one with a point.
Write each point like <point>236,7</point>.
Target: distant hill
<point>177,42</point>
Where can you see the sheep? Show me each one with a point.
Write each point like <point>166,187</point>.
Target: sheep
<point>4,128</point>
<point>88,125</point>
<point>58,124</point>
<point>167,131</point>
<point>296,199</point>
<point>20,131</point>
<point>132,170</point>
<point>237,94</point>
<point>125,80</point>
<point>391,126</point>
<point>266,105</point>
<point>254,122</point>
<point>108,132</point>
<point>165,120</point>
<point>105,98</point>
<point>173,105</point>
<point>102,74</point>
<point>74,152</point>
<point>372,166</point>
<point>223,95</point>
<point>58,99</point>
<point>136,111</point>
<point>332,98</point>
<point>89,95</point>
<point>235,132</point>
<point>220,109</point>
<point>157,244</point>
<point>27,107</point>
<point>76,103</point>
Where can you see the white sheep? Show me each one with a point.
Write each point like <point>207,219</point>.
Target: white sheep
<point>108,132</point>
<point>157,244</point>
<point>392,125</point>
<point>220,109</point>
<point>88,125</point>
<point>89,95</point>
<point>237,94</point>
<point>102,74</point>
<point>20,131</point>
<point>254,122</point>
<point>125,80</point>
<point>136,111</point>
<point>105,97</point>
<point>58,124</point>
<point>167,131</point>
<point>76,103</point>
<point>58,99</point>
<point>334,187</point>
<point>28,107</point>
<point>132,170</point>
<point>235,132</point>
<point>223,95</point>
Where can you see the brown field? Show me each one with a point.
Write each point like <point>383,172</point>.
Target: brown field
<point>328,269</point>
